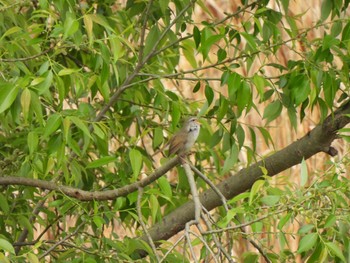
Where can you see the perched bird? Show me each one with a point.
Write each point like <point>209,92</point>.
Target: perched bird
<point>183,140</point>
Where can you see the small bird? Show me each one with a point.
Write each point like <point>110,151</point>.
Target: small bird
<point>183,140</point>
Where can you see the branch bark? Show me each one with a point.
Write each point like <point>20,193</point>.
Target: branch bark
<point>317,140</point>
<point>91,195</point>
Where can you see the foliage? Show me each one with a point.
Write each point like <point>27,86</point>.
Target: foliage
<point>90,89</point>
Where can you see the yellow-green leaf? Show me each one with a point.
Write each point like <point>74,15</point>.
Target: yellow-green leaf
<point>335,250</point>
<point>52,124</point>
<point>255,189</point>
<point>6,246</point>
<point>25,102</point>
<point>67,71</point>
<point>303,173</point>
<point>102,161</point>
<point>8,94</point>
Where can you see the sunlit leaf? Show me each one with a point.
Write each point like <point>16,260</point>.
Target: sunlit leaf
<point>303,173</point>
<point>6,246</point>
<point>8,93</point>
<point>307,242</point>
<point>255,189</point>
<point>335,250</point>
<point>52,124</point>
<point>101,162</point>
<point>136,162</point>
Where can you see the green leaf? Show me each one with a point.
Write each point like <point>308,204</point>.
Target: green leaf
<point>329,41</point>
<point>98,221</point>
<point>222,54</point>
<point>197,87</point>
<point>231,160</point>
<point>209,94</point>
<point>250,40</point>
<point>151,39</point>
<point>33,141</point>
<point>255,189</point>
<point>260,84</point>
<point>136,162</point>
<point>239,197</point>
<point>335,250</point>
<point>292,117</point>
<point>44,86</point>
<point>272,111</point>
<point>11,31</point>
<point>346,33</point>
<point>52,124</point>
<point>330,221</point>
<point>223,108</point>
<point>175,114</point>
<point>326,9</point>
<point>284,221</point>
<point>266,135</point>
<point>99,131</point>
<point>307,242</point>
<point>67,71</point>
<point>303,173</point>
<point>270,200</point>
<point>71,25</point>
<point>32,258</point>
<point>158,137</point>
<point>154,205</point>
<point>196,36</point>
<point>244,96</point>
<point>101,20</point>
<point>6,246</point>
<point>215,138</point>
<point>81,125</point>
<point>233,84</point>
<point>306,228</point>
<point>25,103</point>
<point>165,187</point>
<point>8,94</point>
<point>189,53</point>
<point>240,136</point>
<point>4,204</point>
<point>36,106</point>
<point>101,162</point>
<point>207,43</point>
<point>37,81</point>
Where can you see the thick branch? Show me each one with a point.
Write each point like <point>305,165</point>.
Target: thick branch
<point>94,195</point>
<point>317,140</point>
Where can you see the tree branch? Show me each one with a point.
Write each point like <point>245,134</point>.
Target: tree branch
<point>91,195</point>
<point>317,140</point>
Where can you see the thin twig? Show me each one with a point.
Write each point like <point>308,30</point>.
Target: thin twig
<point>63,240</point>
<point>245,224</point>
<point>172,248</point>
<point>143,225</point>
<point>84,195</point>
<point>215,239</point>
<point>194,191</point>
<point>210,183</point>
<point>9,60</point>
<point>188,239</point>
<point>205,244</point>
